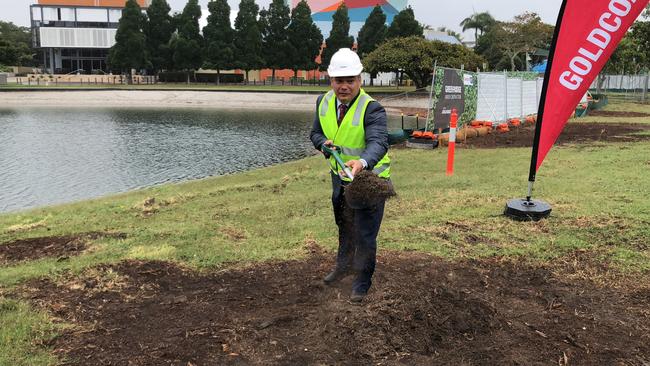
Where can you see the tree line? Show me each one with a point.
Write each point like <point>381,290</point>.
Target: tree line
<point>510,45</point>
<point>280,38</point>
<point>15,46</point>
<point>275,38</point>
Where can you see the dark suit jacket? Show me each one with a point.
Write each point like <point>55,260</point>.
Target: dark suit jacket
<point>375,127</point>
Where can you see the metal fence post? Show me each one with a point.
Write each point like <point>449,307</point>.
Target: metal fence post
<point>505,93</point>
<point>645,87</point>
<point>538,92</point>
<point>523,116</point>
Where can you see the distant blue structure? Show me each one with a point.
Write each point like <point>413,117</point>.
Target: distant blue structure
<point>541,68</point>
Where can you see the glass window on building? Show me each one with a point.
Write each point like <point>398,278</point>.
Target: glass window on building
<point>36,14</point>
<point>50,14</point>
<point>67,14</point>
<point>92,15</point>
<point>114,15</point>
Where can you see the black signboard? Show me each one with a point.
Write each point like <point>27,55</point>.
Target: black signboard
<point>450,96</point>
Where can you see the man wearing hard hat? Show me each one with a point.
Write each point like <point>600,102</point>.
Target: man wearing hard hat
<point>350,121</point>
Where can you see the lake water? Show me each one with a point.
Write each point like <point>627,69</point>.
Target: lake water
<point>50,156</point>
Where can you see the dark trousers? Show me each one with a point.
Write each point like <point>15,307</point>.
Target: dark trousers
<point>358,231</point>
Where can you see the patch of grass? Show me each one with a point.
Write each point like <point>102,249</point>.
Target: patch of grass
<point>23,332</point>
<point>269,213</point>
<point>619,107</point>
<point>26,226</point>
<point>628,107</point>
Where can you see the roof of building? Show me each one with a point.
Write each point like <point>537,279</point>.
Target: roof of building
<point>434,35</point>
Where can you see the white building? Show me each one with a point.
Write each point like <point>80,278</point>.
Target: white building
<point>75,35</point>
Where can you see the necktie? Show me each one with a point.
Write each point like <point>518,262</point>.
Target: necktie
<point>342,109</point>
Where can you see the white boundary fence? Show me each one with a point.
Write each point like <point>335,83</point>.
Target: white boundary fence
<point>623,87</point>
<point>501,97</point>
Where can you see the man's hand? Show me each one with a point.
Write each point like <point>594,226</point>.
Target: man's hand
<point>355,166</point>
<point>330,144</point>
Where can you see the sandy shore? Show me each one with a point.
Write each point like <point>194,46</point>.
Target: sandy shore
<point>159,99</point>
<point>188,99</point>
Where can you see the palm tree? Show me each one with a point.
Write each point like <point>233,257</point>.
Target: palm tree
<point>478,22</point>
<point>485,21</point>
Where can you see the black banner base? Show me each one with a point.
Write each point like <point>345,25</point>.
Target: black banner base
<point>522,210</point>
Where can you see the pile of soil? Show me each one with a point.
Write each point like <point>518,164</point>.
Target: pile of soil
<point>367,190</point>
<point>572,133</point>
<point>421,311</point>
<point>61,247</point>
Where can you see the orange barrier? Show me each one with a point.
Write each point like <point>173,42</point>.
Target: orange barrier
<point>417,134</point>
<point>503,128</point>
<point>453,123</point>
<point>515,122</point>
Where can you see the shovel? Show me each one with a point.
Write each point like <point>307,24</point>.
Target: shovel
<point>334,152</point>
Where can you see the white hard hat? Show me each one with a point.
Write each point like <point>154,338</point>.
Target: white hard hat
<point>345,62</point>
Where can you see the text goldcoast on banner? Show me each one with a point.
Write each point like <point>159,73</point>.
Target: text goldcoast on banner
<point>609,22</point>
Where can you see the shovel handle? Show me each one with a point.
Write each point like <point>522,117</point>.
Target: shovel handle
<point>338,159</point>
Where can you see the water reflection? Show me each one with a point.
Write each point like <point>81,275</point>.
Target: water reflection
<point>52,156</point>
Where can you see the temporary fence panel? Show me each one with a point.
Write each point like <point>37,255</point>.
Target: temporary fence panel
<point>515,100</point>
<point>621,82</point>
<point>492,96</point>
<point>540,85</point>
<point>623,87</point>
<point>529,93</point>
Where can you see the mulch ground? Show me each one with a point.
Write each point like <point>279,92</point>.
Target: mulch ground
<point>421,310</point>
<point>573,133</point>
<point>60,247</point>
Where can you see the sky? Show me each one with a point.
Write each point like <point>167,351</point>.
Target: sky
<point>436,13</point>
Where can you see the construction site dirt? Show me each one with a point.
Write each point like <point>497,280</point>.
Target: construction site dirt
<point>422,310</point>
<point>573,133</point>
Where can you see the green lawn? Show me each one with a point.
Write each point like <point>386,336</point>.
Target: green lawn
<point>599,193</point>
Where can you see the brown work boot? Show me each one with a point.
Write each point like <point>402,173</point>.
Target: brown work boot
<point>336,275</point>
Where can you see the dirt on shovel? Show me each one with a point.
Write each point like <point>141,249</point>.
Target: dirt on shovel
<point>367,190</point>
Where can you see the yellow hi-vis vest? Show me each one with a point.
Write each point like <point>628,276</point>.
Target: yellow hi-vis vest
<point>350,136</point>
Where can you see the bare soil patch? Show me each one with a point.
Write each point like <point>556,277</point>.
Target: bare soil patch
<point>573,133</point>
<point>61,247</point>
<point>421,311</point>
